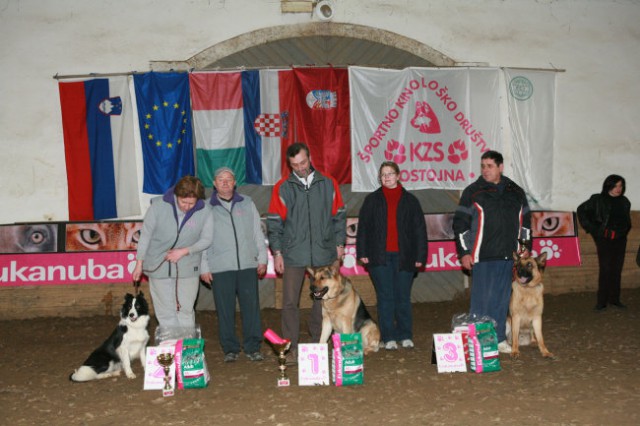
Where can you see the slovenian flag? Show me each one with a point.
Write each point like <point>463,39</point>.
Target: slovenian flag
<point>97,122</point>
<point>239,123</point>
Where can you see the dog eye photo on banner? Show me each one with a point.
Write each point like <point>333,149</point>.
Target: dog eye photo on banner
<point>102,236</point>
<point>34,238</point>
<point>552,224</point>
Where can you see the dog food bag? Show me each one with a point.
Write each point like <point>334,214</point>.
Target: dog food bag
<point>460,324</point>
<point>193,366</point>
<point>348,359</point>
<point>483,347</point>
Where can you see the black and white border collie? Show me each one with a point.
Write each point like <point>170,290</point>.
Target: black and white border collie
<point>127,342</point>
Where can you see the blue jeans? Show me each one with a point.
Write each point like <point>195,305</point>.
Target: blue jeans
<point>243,285</point>
<point>393,291</point>
<point>491,291</point>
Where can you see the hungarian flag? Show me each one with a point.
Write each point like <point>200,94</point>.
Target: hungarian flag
<point>239,123</point>
<point>97,122</point>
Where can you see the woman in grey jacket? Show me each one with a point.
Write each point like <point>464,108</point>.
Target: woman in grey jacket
<point>177,228</point>
<point>232,265</point>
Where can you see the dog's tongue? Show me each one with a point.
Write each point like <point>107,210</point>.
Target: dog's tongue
<point>523,280</point>
<point>321,293</point>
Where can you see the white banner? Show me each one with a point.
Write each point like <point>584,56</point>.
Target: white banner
<point>531,100</point>
<point>434,123</point>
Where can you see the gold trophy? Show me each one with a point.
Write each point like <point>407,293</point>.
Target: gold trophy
<point>281,346</point>
<point>166,360</point>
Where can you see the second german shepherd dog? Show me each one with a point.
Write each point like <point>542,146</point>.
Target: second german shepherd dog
<point>524,324</point>
<point>342,309</point>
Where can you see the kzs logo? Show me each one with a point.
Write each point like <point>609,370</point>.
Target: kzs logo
<point>425,120</point>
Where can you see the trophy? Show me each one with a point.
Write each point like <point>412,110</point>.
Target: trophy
<point>281,346</point>
<point>166,360</point>
<point>524,246</point>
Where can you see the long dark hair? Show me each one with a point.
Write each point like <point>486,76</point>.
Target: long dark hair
<point>611,181</point>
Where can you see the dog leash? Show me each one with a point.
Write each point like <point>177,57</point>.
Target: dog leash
<point>178,306</point>
<point>136,288</point>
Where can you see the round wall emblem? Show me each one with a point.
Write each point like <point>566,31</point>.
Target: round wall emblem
<point>521,88</point>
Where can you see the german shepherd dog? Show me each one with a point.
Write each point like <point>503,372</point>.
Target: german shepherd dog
<point>526,305</point>
<point>342,309</point>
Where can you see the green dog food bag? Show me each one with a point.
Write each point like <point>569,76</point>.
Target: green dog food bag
<point>348,359</point>
<point>193,366</point>
<point>483,348</point>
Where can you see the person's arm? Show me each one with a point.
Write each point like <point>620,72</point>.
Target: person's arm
<point>258,238</point>
<point>422,237</point>
<point>148,226</point>
<point>276,217</point>
<point>365,211</point>
<point>585,215</point>
<point>204,241</point>
<point>525,228</point>
<point>462,219</point>
<point>206,234</point>
<point>339,216</point>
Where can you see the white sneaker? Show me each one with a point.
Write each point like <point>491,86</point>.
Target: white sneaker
<point>504,347</point>
<point>407,344</point>
<point>391,345</point>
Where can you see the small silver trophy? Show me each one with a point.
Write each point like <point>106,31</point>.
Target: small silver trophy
<point>281,346</point>
<point>166,360</point>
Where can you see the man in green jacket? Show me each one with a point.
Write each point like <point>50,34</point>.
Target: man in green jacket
<point>307,227</point>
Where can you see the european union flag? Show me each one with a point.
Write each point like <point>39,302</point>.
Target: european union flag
<point>164,113</point>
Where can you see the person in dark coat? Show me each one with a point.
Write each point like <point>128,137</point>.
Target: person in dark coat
<point>607,217</point>
<point>392,243</point>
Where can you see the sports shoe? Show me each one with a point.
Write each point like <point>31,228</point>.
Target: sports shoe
<point>255,356</point>
<point>391,345</point>
<point>619,305</point>
<point>407,344</point>
<point>600,308</point>
<point>230,357</point>
<point>504,347</point>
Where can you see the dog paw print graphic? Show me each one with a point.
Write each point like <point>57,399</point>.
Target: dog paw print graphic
<point>552,250</point>
<point>349,260</point>
<point>457,152</point>
<point>390,154</point>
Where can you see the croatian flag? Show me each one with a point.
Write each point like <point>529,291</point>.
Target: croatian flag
<point>239,123</point>
<point>97,122</point>
<point>319,116</point>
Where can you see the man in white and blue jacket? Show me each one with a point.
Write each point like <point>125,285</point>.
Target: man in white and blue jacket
<point>492,216</point>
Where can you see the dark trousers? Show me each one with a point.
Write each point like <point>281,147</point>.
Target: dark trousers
<point>491,291</point>
<point>243,285</point>
<point>292,281</point>
<point>393,293</point>
<point>610,259</point>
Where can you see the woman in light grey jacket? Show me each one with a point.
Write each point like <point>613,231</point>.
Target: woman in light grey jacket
<point>177,228</point>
